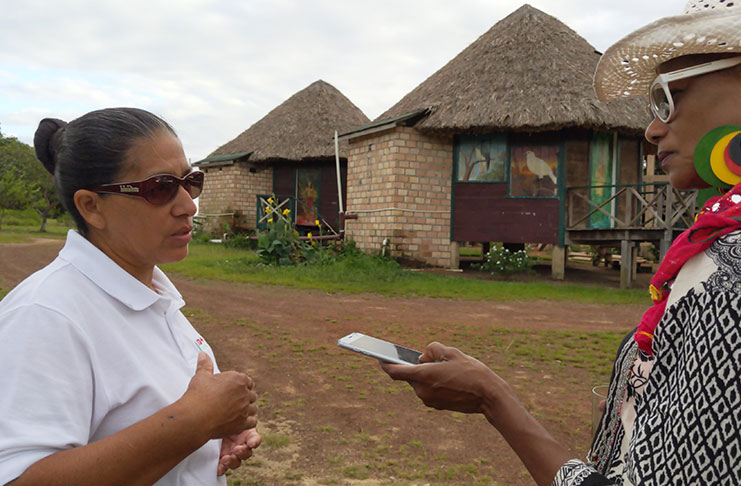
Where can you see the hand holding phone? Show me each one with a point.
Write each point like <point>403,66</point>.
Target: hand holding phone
<point>379,349</point>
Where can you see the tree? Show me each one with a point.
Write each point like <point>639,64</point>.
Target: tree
<point>12,185</point>
<point>46,202</point>
<point>24,182</point>
<point>12,192</point>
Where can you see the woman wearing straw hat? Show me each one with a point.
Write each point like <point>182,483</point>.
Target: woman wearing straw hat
<point>673,412</point>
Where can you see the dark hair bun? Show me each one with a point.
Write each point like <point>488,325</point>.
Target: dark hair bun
<point>47,140</point>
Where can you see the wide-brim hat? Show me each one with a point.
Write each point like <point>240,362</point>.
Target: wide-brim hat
<point>628,67</point>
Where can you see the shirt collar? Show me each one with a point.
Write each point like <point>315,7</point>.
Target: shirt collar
<point>114,280</point>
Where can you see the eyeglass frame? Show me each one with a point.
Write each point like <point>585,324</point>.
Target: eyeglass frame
<point>133,188</point>
<point>663,80</point>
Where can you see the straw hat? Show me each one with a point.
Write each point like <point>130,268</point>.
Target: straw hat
<point>706,27</point>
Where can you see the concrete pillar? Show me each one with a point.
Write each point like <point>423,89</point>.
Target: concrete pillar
<point>558,262</point>
<point>455,255</point>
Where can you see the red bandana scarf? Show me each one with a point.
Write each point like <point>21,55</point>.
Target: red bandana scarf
<point>719,216</point>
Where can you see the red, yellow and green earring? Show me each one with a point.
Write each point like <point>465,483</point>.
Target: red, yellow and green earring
<point>718,157</point>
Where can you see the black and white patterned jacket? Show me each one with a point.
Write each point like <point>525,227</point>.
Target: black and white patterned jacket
<point>675,418</point>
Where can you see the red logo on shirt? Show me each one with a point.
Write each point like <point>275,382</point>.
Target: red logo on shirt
<point>201,343</point>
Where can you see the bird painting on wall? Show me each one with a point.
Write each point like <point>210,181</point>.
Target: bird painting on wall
<point>538,166</point>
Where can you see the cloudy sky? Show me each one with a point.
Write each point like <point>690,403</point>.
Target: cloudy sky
<point>212,68</point>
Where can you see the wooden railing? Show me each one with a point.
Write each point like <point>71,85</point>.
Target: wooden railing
<point>654,205</point>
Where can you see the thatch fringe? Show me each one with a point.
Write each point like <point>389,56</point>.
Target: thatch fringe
<point>299,129</point>
<point>529,72</point>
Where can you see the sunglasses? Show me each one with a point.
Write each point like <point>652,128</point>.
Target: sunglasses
<point>158,189</point>
<point>661,102</point>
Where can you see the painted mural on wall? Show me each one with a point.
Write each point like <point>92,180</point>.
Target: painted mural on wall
<point>481,160</point>
<point>307,194</point>
<point>600,174</point>
<point>534,170</point>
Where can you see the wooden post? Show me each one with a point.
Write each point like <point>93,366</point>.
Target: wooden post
<point>666,242</point>
<point>650,168</point>
<point>558,262</point>
<point>669,207</point>
<point>626,263</point>
<point>570,210</point>
<point>455,255</point>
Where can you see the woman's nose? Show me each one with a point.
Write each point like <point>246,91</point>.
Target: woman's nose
<point>184,204</point>
<point>656,130</point>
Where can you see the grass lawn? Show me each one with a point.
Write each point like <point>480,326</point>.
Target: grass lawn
<point>354,274</point>
<point>363,273</point>
<point>23,226</point>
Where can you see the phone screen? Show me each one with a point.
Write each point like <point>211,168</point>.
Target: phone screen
<point>380,349</point>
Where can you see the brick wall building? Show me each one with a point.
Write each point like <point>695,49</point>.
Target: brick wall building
<point>398,186</point>
<point>290,149</point>
<point>229,195</point>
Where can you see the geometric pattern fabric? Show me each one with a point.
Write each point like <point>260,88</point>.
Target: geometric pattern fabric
<point>688,420</point>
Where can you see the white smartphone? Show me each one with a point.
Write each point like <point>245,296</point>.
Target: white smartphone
<point>380,349</point>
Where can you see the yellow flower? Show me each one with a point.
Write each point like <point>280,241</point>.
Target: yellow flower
<point>309,235</point>
<point>270,220</point>
<point>286,211</point>
<point>267,209</point>
<point>270,200</point>
<point>655,293</point>
<point>316,223</point>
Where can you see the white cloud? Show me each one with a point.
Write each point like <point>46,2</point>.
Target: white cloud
<point>214,67</point>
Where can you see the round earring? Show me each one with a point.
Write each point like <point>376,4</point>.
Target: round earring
<point>717,157</point>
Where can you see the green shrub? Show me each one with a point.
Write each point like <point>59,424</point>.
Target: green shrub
<point>241,241</point>
<point>328,252</point>
<point>21,217</point>
<point>501,261</point>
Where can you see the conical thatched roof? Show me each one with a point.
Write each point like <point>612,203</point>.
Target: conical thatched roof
<point>529,72</point>
<point>300,128</point>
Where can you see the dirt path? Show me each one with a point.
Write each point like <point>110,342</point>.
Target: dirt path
<point>332,418</point>
<point>19,260</point>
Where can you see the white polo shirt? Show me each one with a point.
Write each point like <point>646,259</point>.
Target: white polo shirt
<point>87,350</point>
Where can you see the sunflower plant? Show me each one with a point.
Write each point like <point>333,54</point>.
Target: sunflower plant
<point>317,253</point>
<point>280,244</point>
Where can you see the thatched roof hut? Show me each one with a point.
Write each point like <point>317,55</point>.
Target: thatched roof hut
<point>299,129</point>
<point>290,148</point>
<point>505,143</point>
<point>501,82</point>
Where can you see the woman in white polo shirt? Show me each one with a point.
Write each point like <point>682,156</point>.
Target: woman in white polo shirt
<point>104,381</point>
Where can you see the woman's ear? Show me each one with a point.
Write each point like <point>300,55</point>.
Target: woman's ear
<point>88,204</point>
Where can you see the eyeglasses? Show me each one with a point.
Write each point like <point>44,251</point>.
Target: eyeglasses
<point>158,189</point>
<point>660,97</point>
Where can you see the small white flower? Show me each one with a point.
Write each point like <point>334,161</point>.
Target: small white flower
<point>715,207</point>
<point>735,199</point>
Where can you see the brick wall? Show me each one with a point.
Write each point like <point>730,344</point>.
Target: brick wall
<point>399,184</point>
<point>232,189</point>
